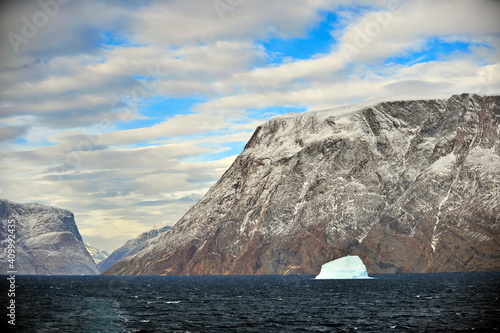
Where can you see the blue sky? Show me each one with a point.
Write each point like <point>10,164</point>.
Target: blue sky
<point>316,40</point>
<point>107,105</point>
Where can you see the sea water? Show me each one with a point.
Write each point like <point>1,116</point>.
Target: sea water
<point>402,302</point>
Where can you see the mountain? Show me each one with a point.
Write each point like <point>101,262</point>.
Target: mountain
<point>409,186</point>
<point>130,248</point>
<point>47,241</point>
<point>96,254</point>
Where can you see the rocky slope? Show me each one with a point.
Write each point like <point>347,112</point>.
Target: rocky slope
<point>97,255</point>
<point>47,241</point>
<point>130,248</point>
<point>409,186</point>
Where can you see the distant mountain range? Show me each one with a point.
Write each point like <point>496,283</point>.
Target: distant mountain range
<point>409,186</point>
<point>130,248</point>
<point>47,241</point>
<point>96,254</point>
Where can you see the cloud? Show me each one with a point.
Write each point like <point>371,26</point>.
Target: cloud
<point>404,27</point>
<point>12,132</point>
<point>83,90</point>
<point>108,244</point>
<point>415,86</point>
<point>422,78</point>
<point>55,28</point>
<point>191,21</point>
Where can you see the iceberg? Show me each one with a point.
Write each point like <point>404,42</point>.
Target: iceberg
<point>350,267</point>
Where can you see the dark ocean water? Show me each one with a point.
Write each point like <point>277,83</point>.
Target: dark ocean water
<point>388,303</point>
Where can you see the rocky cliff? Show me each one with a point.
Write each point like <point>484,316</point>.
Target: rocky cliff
<point>409,186</point>
<point>47,241</point>
<point>130,248</point>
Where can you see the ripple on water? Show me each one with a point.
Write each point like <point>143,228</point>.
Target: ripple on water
<point>419,302</point>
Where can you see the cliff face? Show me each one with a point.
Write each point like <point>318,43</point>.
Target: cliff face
<point>130,248</point>
<point>409,186</point>
<point>47,241</point>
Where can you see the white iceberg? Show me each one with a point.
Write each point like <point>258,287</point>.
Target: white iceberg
<point>350,267</point>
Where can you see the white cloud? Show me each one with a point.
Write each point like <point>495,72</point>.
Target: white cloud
<point>422,78</point>
<point>191,21</point>
<point>393,31</point>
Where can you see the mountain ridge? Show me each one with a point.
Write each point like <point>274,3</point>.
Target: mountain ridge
<point>130,248</point>
<point>409,186</point>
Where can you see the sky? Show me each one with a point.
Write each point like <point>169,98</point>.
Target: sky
<point>126,112</point>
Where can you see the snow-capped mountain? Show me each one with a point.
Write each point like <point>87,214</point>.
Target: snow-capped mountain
<point>47,241</point>
<point>96,254</point>
<point>409,186</point>
<point>131,247</point>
